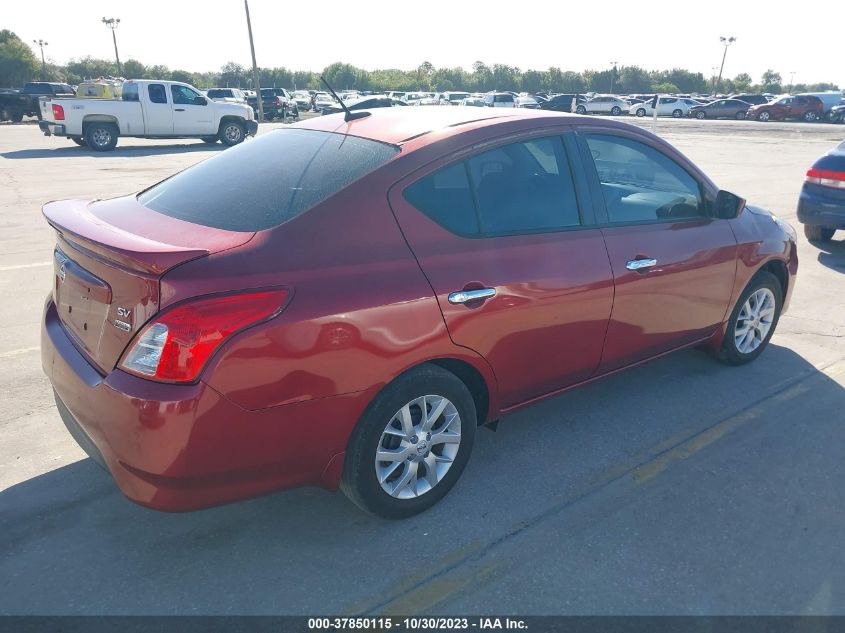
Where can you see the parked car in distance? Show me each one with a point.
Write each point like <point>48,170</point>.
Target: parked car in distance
<point>751,99</point>
<point>474,101</point>
<point>16,104</point>
<point>563,103</point>
<point>527,102</point>
<point>828,99</point>
<point>837,114</point>
<point>455,98</point>
<point>365,103</point>
<point>277,104</point>
<point>604,104</point>
<point>417,274</point>
<point>323,100</point>
<point>302,98</point>
<point>821,205</point>
<point>147,109</point>
<point>228,95</point>
<point>806,108</point>
<point>499,100</point>
<point>666,106</point>
<point>720,109</point>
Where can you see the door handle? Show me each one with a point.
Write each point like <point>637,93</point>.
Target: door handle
<point>640,264</point>
<point>179,109</point>
<point>465,296</point>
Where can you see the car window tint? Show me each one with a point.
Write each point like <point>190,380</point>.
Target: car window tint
<point>522,187</point>
<point>157,93</point>
<point>640,183</point>
<point>182,95</point>
<point>446,198</point>
<point>248,187</point>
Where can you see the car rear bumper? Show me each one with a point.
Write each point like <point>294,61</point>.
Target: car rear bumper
<point>184,447</point>
<point>815,208</point>
<point>51,129</point>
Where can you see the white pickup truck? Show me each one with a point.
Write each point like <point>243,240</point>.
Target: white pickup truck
<point>146,109</point>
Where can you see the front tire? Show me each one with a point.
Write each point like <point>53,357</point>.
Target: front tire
<point>810,117</point>
<point>101,137</point>
<point>818,233</point>
<point>232,133</point>
<point>701,115</point>
<point>677,114</point>
<point>641,112</point>
<point>422,425</point>
<point>753,320</point>
<point>580,110</point>
<point>764,116</point>
<point>615,111</point>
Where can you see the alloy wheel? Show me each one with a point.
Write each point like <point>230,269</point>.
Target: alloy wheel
<point>418,446</point>
<point>232,133</point>
<point>101,137</point>
<point>754,321</point>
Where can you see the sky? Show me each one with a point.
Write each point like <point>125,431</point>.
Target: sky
<point>310,34</point>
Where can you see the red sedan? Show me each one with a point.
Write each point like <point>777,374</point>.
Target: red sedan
<point>341,303</point>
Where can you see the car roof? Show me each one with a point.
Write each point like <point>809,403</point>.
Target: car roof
<point>399,125</point>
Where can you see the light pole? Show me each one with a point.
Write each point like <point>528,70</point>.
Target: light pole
<point>612,76</point>
<point>713,77</point>
<point>41,44</point>
<point>791,77</point>
<point>113,23</point>
<point>726,41</point>
<point>255,77</point>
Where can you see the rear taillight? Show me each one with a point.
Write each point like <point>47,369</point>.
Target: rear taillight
<point>278,102</point>
<point>826,178</point>
<point>58,112</point>
<point>175,346</point>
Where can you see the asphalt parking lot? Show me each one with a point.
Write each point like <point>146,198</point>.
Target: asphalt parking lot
<point>682,487</point>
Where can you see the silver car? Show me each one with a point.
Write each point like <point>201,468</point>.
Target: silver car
<point>605,104</point>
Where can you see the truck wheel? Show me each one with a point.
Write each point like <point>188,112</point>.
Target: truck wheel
<point>101,137</point>
<point>818,233</point>
<point>232,133</point>
<point>78,140</point>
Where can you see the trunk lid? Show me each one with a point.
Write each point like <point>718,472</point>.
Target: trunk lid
<point>110,256</point>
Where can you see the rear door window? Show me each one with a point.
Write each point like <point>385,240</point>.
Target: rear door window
<point>157,93</point>
<point>523,187</point>
<point>268,181</point>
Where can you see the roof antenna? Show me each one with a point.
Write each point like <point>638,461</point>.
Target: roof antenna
<point>350,115</point>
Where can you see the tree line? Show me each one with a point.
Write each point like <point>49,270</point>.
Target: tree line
<point>18,64</point>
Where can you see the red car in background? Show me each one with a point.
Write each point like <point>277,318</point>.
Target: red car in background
<point>808,108</point>
<point>395,281</point>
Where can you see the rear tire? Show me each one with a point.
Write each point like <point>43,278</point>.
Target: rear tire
<point>400,488</point>
<point>764,116</point>
<point>615,111</point>
<point>818,233</point>
<point>580,110</point>
<point>232,133</point>
<point>755,331</point>
<point>701,115</point>
<point>101,137</point>
<point>810,117</point>
<point>641,112</point>
<point>677,114</point>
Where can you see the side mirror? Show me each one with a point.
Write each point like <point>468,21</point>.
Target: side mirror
<point>200,101</point>
<point>727,205</point>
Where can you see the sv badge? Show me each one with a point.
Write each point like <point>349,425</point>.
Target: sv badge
<point>124,313</point>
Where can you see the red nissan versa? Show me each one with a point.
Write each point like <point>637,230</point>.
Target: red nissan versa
<point>341,302</point>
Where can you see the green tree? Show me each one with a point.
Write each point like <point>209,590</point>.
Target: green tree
<point>742,82</point>
<point>633,80</point>
<point>771,82</point>
<point>341,76</point>
<point>133,69</point>
<point>18,63</point>
<point>666,87</point>
<point>233,75</point>
<point>184,76</point>
<point>90,68</point>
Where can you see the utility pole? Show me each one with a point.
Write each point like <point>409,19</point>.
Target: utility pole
<point>41,44</point>
<point>726,41</point>
<point>713,78</point>
<point>255,81</point>
<point>612,76</point>
<point>113,23</point>
<point>791,78</point>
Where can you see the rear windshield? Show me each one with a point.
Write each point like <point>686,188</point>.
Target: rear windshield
<point>268,180</point>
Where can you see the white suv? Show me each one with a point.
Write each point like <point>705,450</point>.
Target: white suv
<point>668,106</point>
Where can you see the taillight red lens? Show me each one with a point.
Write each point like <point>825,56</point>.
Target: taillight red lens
<point>826,178</point>
<point>175,346</point>
<point>58,112</point>
<point>278,101</point>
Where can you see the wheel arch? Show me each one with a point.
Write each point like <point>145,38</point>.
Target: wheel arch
<point>777,267</point>
<point>99,118</point>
